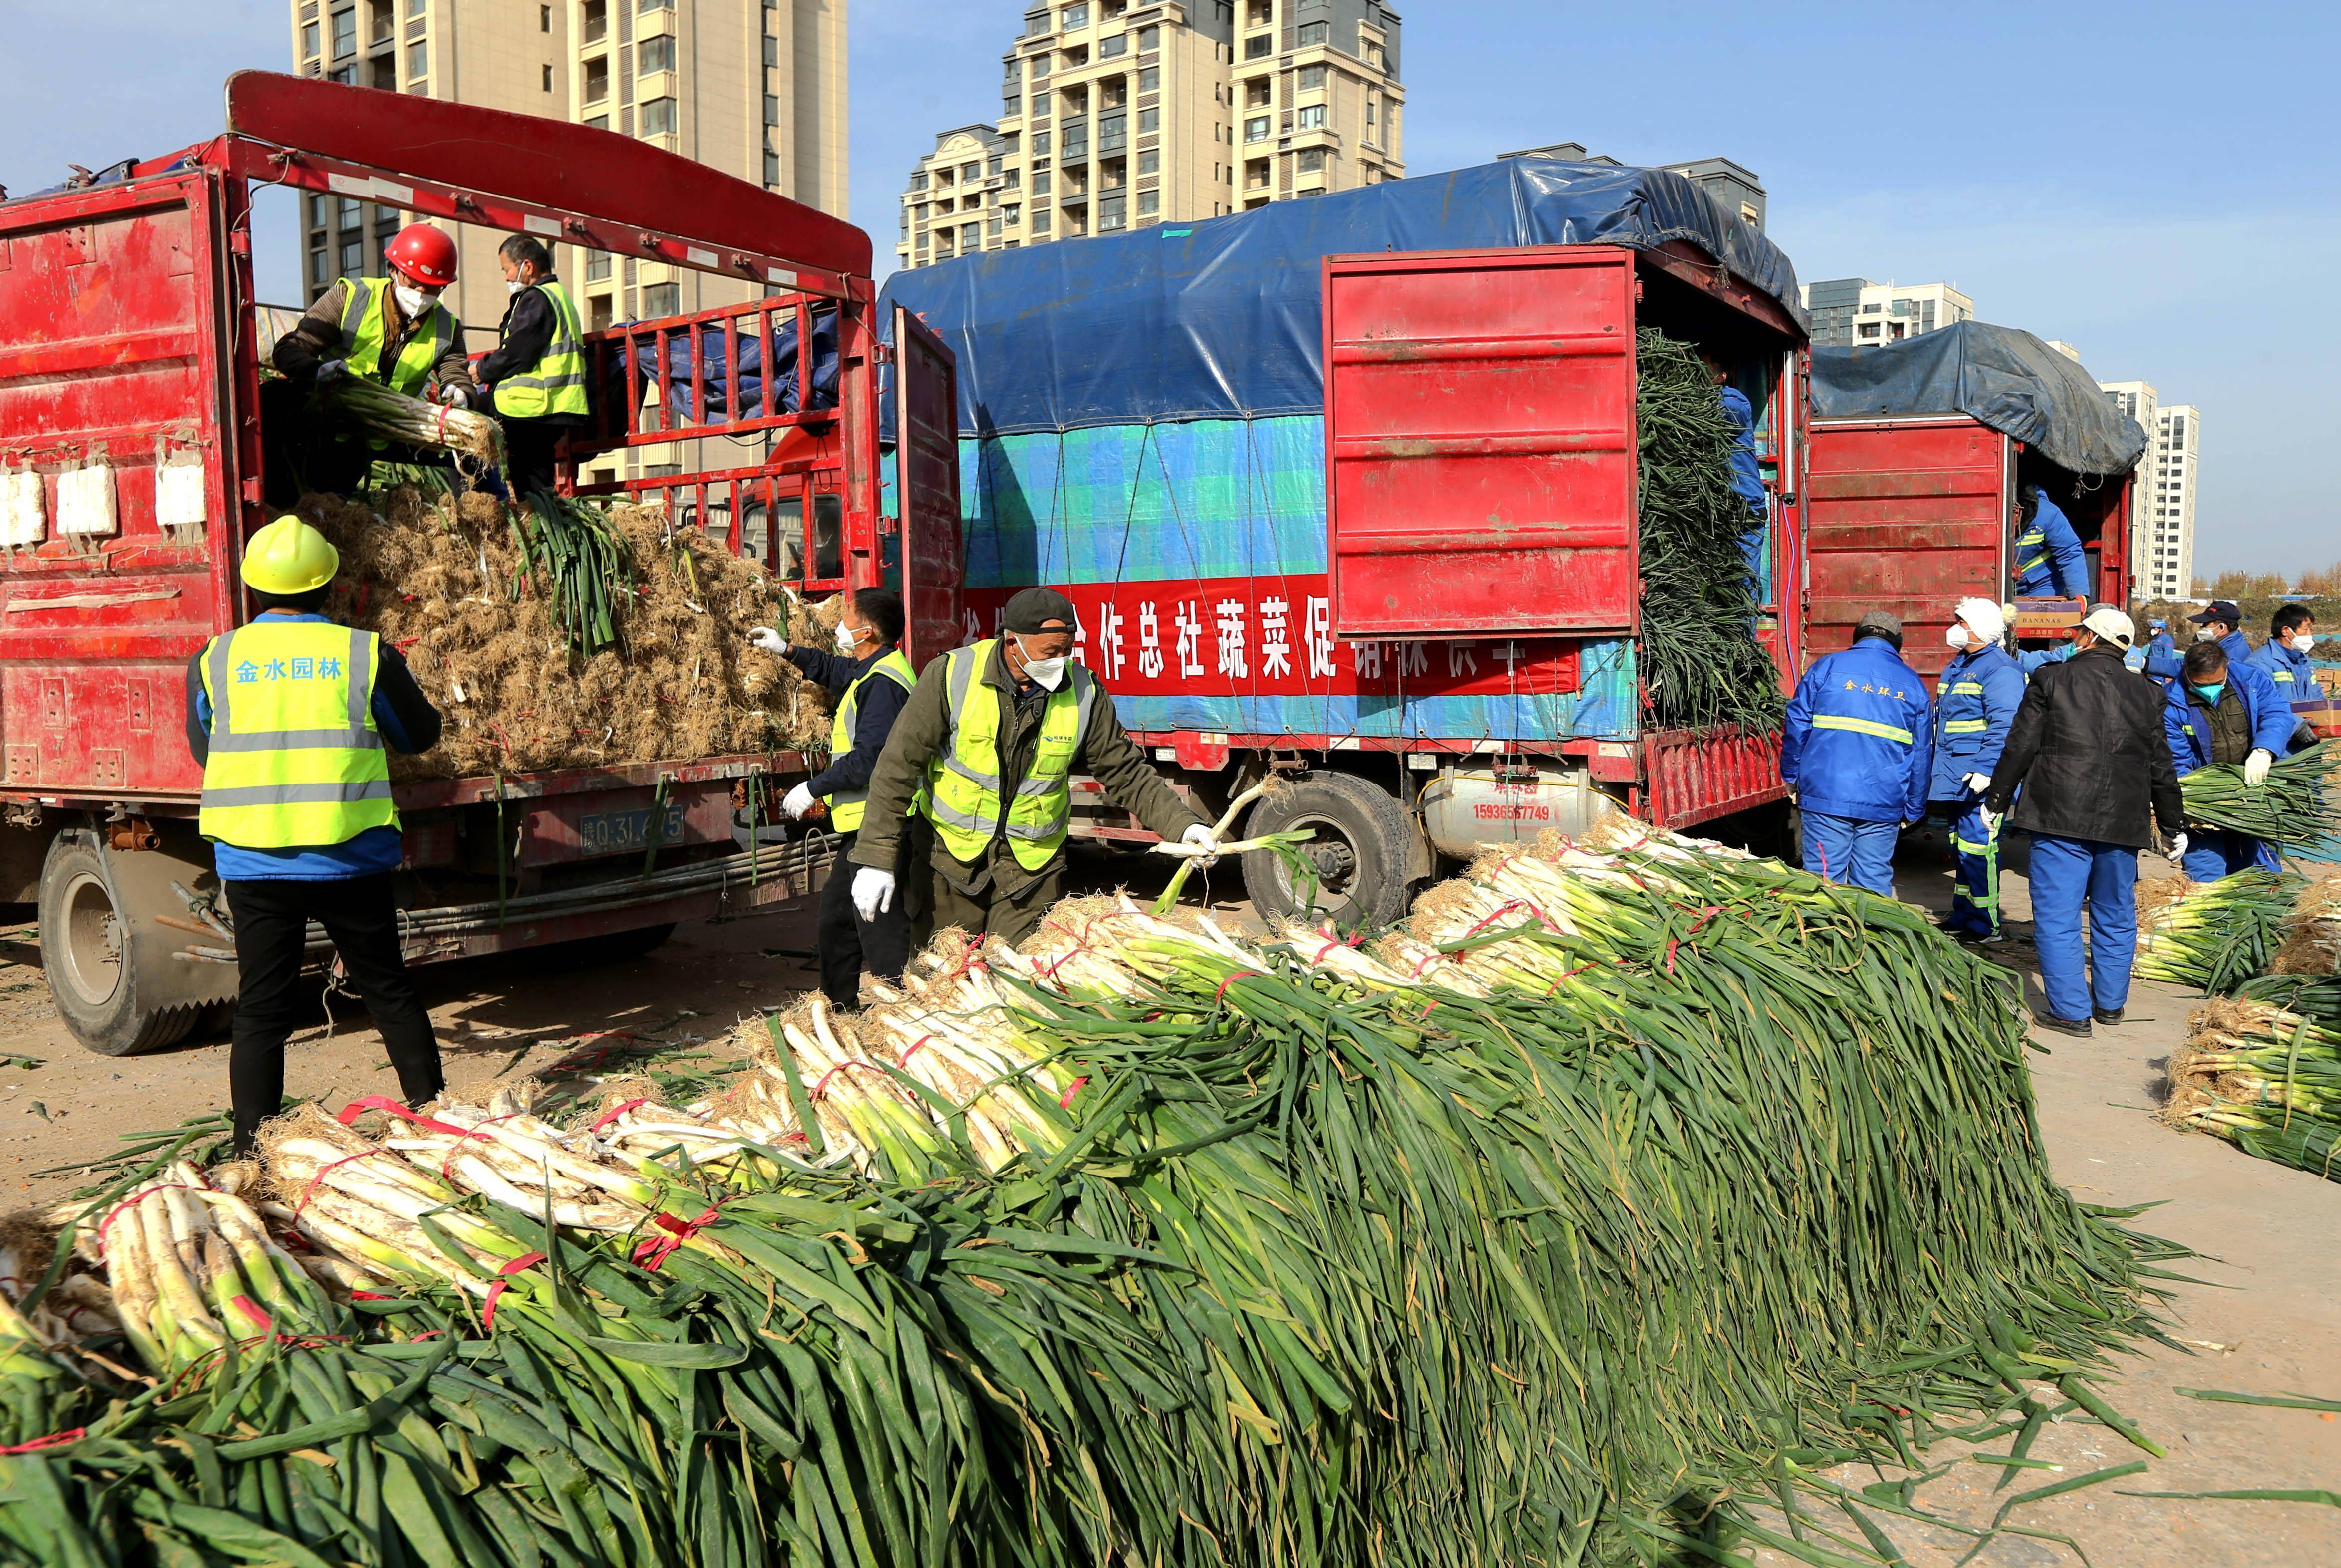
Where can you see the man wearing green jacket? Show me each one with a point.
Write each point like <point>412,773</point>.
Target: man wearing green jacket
<point>986,749</point>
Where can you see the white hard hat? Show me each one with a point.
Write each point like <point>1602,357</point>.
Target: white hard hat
<point>2111,626</point>
<point>1983,619</point>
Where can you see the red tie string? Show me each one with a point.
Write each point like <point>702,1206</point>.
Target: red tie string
<point>504,1283</point>
<point>357,1108</point>
<point>1233,976</point>
<point>613,1113</point>
<point>656,1250</point>
<point>54,1440</point>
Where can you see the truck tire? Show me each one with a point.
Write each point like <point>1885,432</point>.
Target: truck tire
<point>91,980</point>
<point>1362,846</point>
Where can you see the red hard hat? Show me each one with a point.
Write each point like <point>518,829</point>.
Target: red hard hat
<point>424,254</point>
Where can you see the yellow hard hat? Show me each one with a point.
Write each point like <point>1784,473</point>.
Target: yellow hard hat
<point>289,557</point>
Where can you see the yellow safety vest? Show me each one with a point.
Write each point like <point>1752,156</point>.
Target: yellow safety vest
<point>556,383</point>
<point>296,758</point>
<point>963,778</point>
<point>846,807</point>
<point>362,329</point>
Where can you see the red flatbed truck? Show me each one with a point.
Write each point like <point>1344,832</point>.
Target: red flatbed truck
<point>129,392</point>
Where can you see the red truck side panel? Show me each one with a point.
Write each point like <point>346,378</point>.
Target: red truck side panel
<point>1480,449</point>
<point>1906,515</point>
<point>926,457</point>
<point>110,370</point>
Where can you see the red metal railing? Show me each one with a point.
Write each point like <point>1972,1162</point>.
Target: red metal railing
<point>679,350</point>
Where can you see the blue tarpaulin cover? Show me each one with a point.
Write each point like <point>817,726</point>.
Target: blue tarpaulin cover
<point>1220,319</point>
<point>2004,377</point>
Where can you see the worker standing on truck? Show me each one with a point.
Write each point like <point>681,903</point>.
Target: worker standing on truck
<point>2087,751</point>
<point>1974,705</point>
<point>2049,560</point>
<point>1858,755</point>
<point>988,743</point>
<point>871,680</point>
<point>1747,467</point>
<point>536,376</point>
<point>392,330</point>
<point>2162,655</point>
<point>289,717</point>
<point>2215,714</point>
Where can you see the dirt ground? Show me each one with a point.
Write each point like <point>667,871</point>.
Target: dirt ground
<point>2269,1321</point>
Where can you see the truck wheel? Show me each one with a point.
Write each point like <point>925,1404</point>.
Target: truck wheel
<point>1359,842</point>
<point>83,954</point>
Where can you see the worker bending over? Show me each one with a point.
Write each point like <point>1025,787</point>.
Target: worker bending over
<point>1858,755</point>
<point>391,331</point>
<point>994,732</point>
<point>2087,751</point>
<point>1974,705</point>
<point>2049,560</point>
<point>2210,716</point>
<point>289,717</point>
<point>536,376</point>
<point>871,680</point>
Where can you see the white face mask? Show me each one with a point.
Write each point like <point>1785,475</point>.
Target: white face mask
<point>513,286</point>
<point>2206,634</point>
<point>847,642</point>
<point>1957,637</point>
<point>1049,672</point>
<point>2303,643</point>
<point>413,302</point>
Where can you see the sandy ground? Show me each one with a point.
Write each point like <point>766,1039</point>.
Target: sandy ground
<point>2269,1321</point>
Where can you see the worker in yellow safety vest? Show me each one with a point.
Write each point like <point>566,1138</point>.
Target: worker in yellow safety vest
<point>391,331</point>
<point>289,716</point>
<point>986,750</point>
<point>871,680</point>
<point>536,376</point>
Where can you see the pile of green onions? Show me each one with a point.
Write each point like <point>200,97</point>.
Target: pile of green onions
<point>2265,1073</point>
<point>2218,935</point>
<point>1148,1243</point>
<point>569,552</point>
<point>2296,808</point>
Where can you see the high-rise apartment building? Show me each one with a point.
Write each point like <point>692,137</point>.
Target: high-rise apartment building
<point>755,88</point>
<point>2170,550</point>
<point>1848,312</point>
<point>1115,115</point>
<point>2140,401</point>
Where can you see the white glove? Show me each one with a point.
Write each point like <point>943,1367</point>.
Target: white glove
<point>1980,783</point>
<point>765,638</point>
<point>2255,767</point>
<point>873,891</point>
<point>2177,850</point>
<point>797,802</point>
<point>1202,836</point>
<point>1991,818</point>
<point>455,397</point>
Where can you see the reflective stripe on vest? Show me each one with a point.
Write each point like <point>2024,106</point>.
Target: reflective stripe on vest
<point>1863,727</point>
<point>294,759</point>
<point>1966,726</point>
<point>556,383</point>
<point>963,798</point>
<point>846,807</point>
<point>362,318</point>
<point>1967,689</point>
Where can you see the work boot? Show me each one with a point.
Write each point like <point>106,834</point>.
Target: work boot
<point>2077,1028</point>
<point>2102,1017</point>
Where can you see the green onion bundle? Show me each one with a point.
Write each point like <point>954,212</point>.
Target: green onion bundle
<point>2217,935</point>
<point>2267,1076</point>
<point>1700,662</point>
<point>570,553</point>
<point>397,417</point>
<point>1620,1187</point>
<point>2295,809</point>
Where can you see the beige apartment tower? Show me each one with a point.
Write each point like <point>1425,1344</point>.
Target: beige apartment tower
<point>1116,115</point>
<point>755,88</point>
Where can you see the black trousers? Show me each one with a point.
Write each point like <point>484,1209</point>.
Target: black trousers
<point>529,446</point>
<point>271,920</point>
<point>848,943</point>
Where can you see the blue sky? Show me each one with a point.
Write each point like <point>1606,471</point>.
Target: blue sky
<point>2154,182</point>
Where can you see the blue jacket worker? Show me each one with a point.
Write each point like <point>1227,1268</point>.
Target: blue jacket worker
<point>2284,657</point>
<point>2049,560</point>
<point>2088,753</point>
<point>293,718</point>
<point>1746,473</point>
<point>2162,655</point>
<point>1858,755</point>
<point>1974,705</point>
<point>2209,716</point>
<point>871,680</point>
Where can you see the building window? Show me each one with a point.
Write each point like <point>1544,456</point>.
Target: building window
<point>771,109</point>
<point>1148,122</point>
<point>1015,73</point>
<point>1112,133</point>
<point>353,257</point>
<point>1040,143</point>
<point>598,122</point>
<point>418,61</point>
<point>772,168</point>
<point>662,300</point>
<point>970,236</point>
<point>544,18</point>
<point>548,78</point>
<point>1108,48</point>
<point>1258,92</point>
<point>1150,79</point>
<point>308,40</point>
<point>1260,47</point>
<point>1149,40</point>
<point>417,7</point>
<point>1312,118</point>
<point>1312,33</point>
<point>1011,216</point>
<point>595,25</point>
<point>1075,16</point>
<point>1256,128</point>
<point>345,32</point>
<point>640,5</point>
<point>919,180</point>
<point>1149,202</point>
<point>1011,178</point>
<point>318,271</point>
<point>597,266</point>
<point>655,54</point>
<point>970,172</point>
<point>1041,222</point>
<point>1313,78</point>
<point>1113,212</point>
<point>658,117</point>
<point>1870,329</point>
<point>1148,163</point>
<point>597,79</point>
<point>1077,143</point>
<point>1308,161</point>
<point>1040,181</point>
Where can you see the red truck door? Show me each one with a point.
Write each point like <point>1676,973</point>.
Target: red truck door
<point>1906,515</point>
<point>1479,441</point>
<point>926,483</point>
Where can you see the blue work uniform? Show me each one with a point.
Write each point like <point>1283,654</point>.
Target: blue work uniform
<point>1975,704</point>
<point>2291,671</point>
<point>2163,659</point>
<point>2049,562</point>
<point>1748,484</point>
<point>1858,747</point>
<point>2029,660</point>
<point>2212,854</point>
